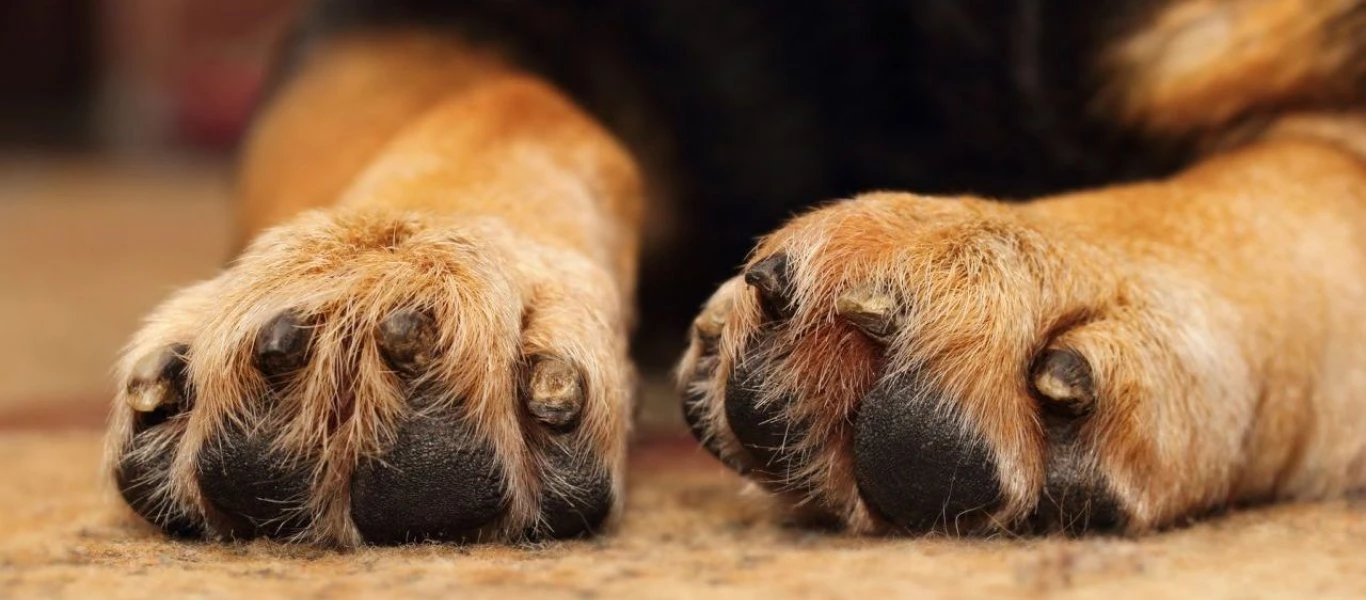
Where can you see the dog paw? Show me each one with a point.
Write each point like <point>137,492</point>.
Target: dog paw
<point>363,377</point>
<point>900,363</point>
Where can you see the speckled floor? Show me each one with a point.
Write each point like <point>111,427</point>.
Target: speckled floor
<point>686,534</point>
<point>86,248</point>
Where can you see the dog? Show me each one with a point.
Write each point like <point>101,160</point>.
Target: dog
<point>1116,280</point>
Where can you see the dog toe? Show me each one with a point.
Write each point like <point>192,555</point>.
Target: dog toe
<point>438,481</point>
<point>337,389</point>
<point>917,464</point>
<point>252,487</point>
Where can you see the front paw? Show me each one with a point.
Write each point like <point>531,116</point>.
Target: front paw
<point>900,363</point>
<point>362,377</point>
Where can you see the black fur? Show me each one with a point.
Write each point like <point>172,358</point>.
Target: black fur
<point>755,109</point>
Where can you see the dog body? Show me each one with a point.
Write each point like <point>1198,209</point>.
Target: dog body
<point>445,208</point>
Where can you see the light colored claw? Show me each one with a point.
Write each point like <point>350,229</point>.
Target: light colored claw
<point>1054,388</point>
<point>147,398</point>
<point>712,320</point>
<point>871,311</point>
<point>1063,377</point>
<point>1063,380</point>
<point>149,388</point>
<point>556,393</point>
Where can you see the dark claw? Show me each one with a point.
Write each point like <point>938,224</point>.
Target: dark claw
<point>554,394</point>
<point>282,346</point>
<point>437,482</point>
<point>577,498</point>
<point>915,466</point>
<point>256,491</point>
<point>407,340</point>
<point>772,279</point>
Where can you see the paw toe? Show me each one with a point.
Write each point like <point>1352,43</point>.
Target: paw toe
<point>437,482</point>
<point>578,496</point>
<point>916,464</point>
<point>695,407</point>
<point>157,392</point>
<point>250,485</point>
<point>761,425</point>
<point>138,476</point>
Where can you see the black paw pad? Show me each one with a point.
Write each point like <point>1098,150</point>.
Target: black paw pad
<point>763,429</point>
<point>578,497</point>
<point>437,482</point>
<point>254,489</point>
<point>694,409</point>
<point>914,464</point>
<point>1076,497</point>
<point>1075,501</point>
<point>138,477</point>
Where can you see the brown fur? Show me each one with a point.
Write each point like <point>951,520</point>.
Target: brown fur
<point>1227,346</point>
<point>1222,309</point>
<point>482,196</point>
<point>1218,67</point>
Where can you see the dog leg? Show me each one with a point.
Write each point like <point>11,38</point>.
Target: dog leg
<point>1123,358</point>
<point>425,338</point>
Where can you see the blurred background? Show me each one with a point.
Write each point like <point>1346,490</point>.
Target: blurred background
<point>118,120</point>
<point>118,125</point>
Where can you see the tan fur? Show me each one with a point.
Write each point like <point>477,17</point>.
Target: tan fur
<point>440,181</point>
<point>350,97</point>
<point>1206,66</point>
<point>1219,308</point>
<point>1227,343</point>
<point>1223,310</point>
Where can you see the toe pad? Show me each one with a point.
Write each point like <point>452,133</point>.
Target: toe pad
<point>438,482</point>
<point>916,464</point>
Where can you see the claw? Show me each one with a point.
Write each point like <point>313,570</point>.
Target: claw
<point>1063,379</point>
<point>147,399</point>
<point>282,346</point>
<point>709,324</point>
<point>407,340</point>
<point>156,379</point>
<point>770,277</point>
<point>871,311</point>
<point>555,394</point>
